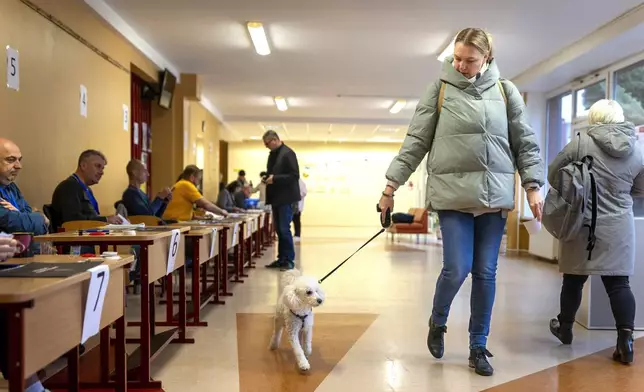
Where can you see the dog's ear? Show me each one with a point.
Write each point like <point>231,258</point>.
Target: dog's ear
<point>291,299</point>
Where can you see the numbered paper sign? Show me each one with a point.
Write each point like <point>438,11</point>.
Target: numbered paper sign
<point>13,69</point>
<point>126,118</point>
<point>213,243</point>
<point>235,234</point>
<point>83,101</point>
<point>175,239</point>
<point>95,298</point>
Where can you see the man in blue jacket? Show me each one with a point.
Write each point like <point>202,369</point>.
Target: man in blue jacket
<point>136,202</point>
<point>15,213</point>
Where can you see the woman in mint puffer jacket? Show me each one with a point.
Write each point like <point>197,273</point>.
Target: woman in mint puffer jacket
<point>474,127</point>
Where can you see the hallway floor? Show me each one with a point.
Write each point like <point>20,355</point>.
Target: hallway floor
<point>371,332</point>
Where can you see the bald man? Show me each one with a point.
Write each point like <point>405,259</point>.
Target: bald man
<point>136,202</point>
<point>15,213</point>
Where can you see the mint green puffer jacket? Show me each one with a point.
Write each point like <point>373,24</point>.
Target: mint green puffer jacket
<point>475,144</point>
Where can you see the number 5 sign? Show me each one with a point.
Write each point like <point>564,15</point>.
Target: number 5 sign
<point>95,298</point>
<point>175,239</point>
<point>13,71</point>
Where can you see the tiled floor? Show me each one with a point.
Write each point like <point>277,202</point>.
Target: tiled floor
<point>385,292</point>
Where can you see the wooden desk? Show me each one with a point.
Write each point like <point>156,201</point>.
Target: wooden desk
<point>45,321</point>
<point>153,257</point>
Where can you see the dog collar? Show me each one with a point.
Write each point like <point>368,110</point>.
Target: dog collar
<point>300,317</point>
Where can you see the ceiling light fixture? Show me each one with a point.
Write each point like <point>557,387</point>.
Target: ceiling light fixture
<point>449,50</point>
<point>258,36</point>
<point>281,104</point>
<point>398,106</point>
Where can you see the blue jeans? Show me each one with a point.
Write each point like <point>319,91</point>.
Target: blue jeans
<point>470,244</point>
<point>282,217</point>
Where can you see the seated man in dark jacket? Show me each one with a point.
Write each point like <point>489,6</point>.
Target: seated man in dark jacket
<point>73,199</point>
<point>136,202</point>
<point>15,213</point>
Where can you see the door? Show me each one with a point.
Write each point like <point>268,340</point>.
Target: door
<point>141,135</point>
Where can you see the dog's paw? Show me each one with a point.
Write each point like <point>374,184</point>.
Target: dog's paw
<point>304,367</point>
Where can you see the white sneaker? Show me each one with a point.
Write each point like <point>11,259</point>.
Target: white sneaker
<point>296,239</point>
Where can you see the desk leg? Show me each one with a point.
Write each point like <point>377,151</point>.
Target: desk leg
<point>182,307</point>
<point>223,255</point>
<point>196,269</point>
<point>16,347</point>
<point>217,300</point>
<point>73,365</point>
<point>105,355</point>
<point>237,253</point>
<point>146,324</point>
<point>121,356</point>
<point>169,298</point>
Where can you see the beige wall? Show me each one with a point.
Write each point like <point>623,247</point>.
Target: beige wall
<point>43,117</point>
<point>202,130</point>
<point>344,180</point>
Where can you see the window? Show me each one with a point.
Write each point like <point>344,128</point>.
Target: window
<point>559,122</point>
<point>587,96</point>
<point>628,90</point>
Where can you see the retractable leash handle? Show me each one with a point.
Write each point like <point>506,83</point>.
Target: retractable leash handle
<point>385,225</point>
<point>387,222</point>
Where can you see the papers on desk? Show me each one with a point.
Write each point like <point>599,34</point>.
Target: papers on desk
<point>128,226</point>
<point>48,270</point>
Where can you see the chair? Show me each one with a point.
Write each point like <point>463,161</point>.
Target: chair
<point>419,226</point>
<point>82,225</point>
<point>148,220</point>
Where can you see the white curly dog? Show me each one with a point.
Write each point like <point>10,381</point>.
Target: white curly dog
<point>294,311</point>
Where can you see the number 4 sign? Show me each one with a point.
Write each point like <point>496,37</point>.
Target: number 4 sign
<point>95,298</point>
<point>174,249</point>
<point>13,71</point>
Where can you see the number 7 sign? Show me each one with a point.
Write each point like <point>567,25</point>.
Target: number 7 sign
<point>95,298</point>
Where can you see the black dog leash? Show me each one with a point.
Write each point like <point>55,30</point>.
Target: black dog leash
<point>385,225</point>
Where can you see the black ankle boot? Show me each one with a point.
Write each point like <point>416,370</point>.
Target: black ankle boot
<point>435,340</point>
<point>562,331</point>
<point>478,361</point>
<point>624,349</point>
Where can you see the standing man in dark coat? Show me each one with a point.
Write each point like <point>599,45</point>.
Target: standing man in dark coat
<point>282,192</point>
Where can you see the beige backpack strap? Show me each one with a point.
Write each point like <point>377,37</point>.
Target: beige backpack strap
<point>505,98</point>
<point>441,96</point>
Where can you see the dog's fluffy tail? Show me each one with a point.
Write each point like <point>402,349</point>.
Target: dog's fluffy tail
<point>289,277</point>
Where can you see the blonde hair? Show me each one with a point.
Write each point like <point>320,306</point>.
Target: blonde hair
<point>477,38</point>
<point>606,111</point>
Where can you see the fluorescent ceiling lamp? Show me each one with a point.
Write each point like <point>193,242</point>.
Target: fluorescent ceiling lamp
<point>255,138</point>
<point>280,102</point>
<point>258,36</point>
<point>449,50</point>
<point>398,106</point>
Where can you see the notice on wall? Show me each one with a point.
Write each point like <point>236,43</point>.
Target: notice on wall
<point>185,141</point>
<point>83,101</point>
<point>144,136</point>
<point>126,118</point>
<point>13,69</point>
<point>135,134</point>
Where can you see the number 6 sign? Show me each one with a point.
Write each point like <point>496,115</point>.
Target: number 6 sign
<point>174,249</point>
<point>95,298</point>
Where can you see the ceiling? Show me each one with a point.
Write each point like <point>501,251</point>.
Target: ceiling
<point>342,64</point>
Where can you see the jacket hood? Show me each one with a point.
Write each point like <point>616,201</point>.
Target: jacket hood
<point>488,79</point>
<point>617,140</point>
